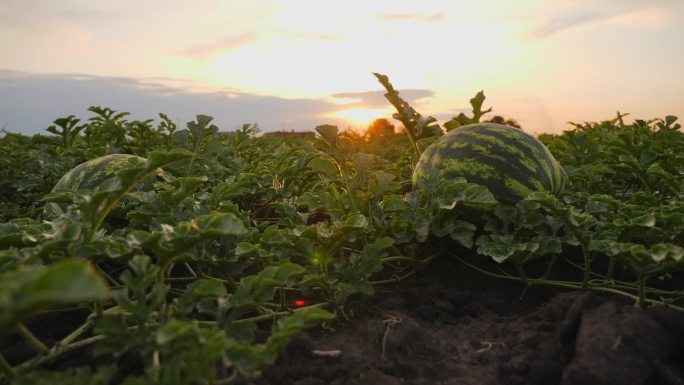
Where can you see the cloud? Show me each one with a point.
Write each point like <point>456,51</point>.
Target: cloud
<point>426,17</point>
<point>30,103</point>
<point>565,21</point>
<point>376,99</point>
<point>310,35</point>
<point>230,43</point>
<point>631,12</point>
<point>28,15</point>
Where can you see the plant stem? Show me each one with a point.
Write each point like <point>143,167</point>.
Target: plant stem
<point>579,267</point>
<point>549,266</point>
<point>572,285</point>
<point>6,368</point>
<point>75,334</point>
<point>628,285</point>
<point>584,244</point>
<point>395,279</point>
<point>54,353</point>
<point>416,149</point>
<point>345,178</point>
<point>59,350</point>
<point>263,317</point>
<point>642,291</point>
<point>35,343</point>
<point>530,281</point>
<point>189,171</point>
<point>611,268</point>
<point>187,266</point>
<point>228,380</point>
<point>644,182</point>
<point>98,309</point>
<point>401,258</point>
<point>108,277</point>
<point>587,265</point>
<point>520,270</point>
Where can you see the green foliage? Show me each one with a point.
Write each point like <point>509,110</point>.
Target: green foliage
<point>612,157</point>
<point>192,277</point>
<point>416,126</point>
<point>498,119</point>
<point>29,289</point>
<point>462,120</point>
<point>68,130</point>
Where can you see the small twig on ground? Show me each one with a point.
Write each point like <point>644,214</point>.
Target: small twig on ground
<point>490,344</point>
<point>326,353</point>
<point>390,321</point>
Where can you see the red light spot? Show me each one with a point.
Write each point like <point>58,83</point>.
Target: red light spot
<point>299,303</point>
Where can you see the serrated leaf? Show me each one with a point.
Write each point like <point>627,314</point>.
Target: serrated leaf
<point>458,230</point>
<point>257,289</point>
<point>457,190</point>
<point>161,158</point>
<point>648,220</point>
<point>463,120</point>
<point>173,330</point>
<point>324,166</point>
<point>496,246</point>
<point>328,134</point>
<point>220,224</point>
<point>363,162</point>
<point>393,203</point>
<point>356,221</point>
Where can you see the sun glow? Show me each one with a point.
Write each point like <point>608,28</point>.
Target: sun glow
<point>361,117</point>
<point>345,101</point>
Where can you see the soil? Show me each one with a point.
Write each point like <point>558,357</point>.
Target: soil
<point>451,325</point>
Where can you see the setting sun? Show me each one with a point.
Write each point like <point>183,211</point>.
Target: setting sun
<point>361,117</point>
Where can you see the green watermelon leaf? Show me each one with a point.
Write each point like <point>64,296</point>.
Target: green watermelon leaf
<point>454,191</point>
<point>324,166</point>
<point>33,288</point>
<point>328,134</point>
<point>393,203</point>
<point>458,230</point>
<point>462,120</point>
<point>95,209</point>
<point>417,127</point>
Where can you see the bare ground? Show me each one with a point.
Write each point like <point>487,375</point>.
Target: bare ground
<point>452,325</point>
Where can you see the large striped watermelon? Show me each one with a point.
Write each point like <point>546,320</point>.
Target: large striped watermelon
<point>508,161</point>
<point>89,175</point>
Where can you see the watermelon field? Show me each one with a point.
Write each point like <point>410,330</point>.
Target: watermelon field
<point>144,252</point>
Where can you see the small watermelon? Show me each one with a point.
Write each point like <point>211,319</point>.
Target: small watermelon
<point>508,161</point>
<point>89,175</point>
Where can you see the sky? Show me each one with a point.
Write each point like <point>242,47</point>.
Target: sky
<point>292,65</point>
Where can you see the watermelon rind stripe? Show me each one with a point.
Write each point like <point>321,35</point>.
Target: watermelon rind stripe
<point>500,144</point>
<point>487,166</point>
<point>88,175</point>
<point>510,162</point>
